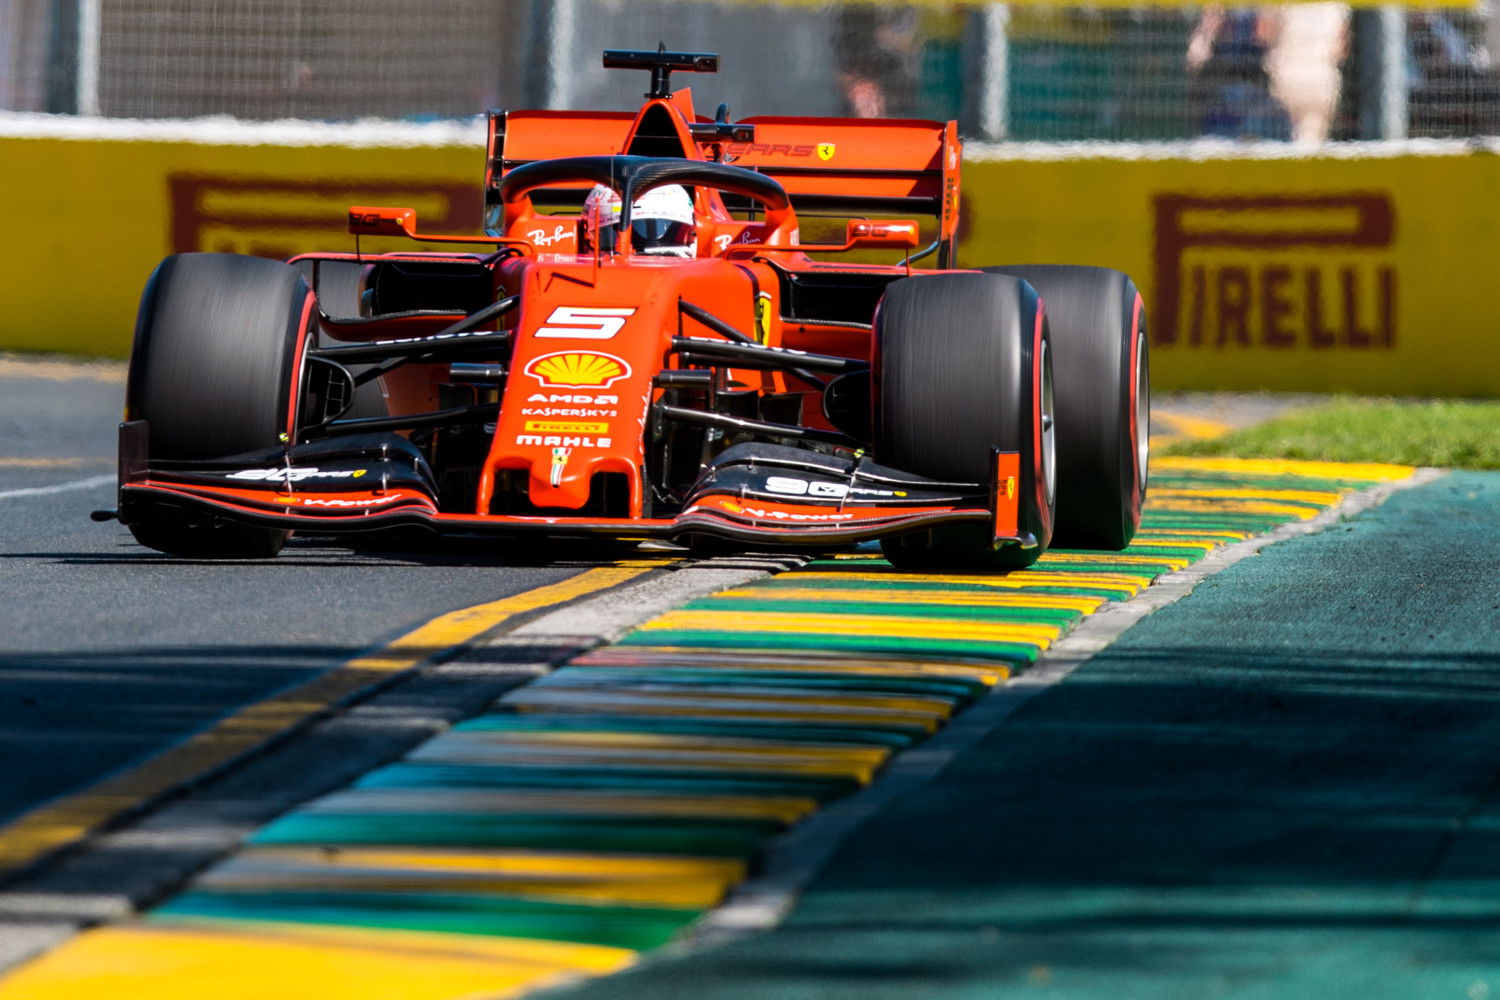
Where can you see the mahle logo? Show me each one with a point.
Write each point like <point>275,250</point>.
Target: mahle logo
<point>1275,272</point>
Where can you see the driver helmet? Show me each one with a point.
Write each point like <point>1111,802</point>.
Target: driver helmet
<point>661,221</point>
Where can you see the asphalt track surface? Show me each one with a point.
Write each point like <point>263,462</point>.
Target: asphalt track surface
<point>110,652</point>
<point>1283,785</point>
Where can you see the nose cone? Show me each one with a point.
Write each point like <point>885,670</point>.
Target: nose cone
<point>589,341</point>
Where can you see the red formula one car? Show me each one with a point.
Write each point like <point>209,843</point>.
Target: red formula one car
<point>646,347</point>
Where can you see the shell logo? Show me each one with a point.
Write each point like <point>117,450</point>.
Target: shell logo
<point>577,370</point>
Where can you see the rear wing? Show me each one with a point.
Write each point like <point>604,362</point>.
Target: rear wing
<point>856,164</point>
<point>844,166</point>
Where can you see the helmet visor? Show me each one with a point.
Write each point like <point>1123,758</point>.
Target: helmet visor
<point>650,234</point>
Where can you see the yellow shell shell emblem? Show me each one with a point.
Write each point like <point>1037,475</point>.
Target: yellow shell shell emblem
<point>577,369</point>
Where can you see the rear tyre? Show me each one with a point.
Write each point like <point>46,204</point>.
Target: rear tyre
<point>1103,387</point>
<point>216,370</point>
<point>963,366</point>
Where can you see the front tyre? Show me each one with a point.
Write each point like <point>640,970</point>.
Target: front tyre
<point>1103,385</point>
<point>216,370</point>
<point>962,367</point>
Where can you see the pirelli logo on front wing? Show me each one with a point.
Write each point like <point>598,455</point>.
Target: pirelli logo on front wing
<point>565,427</point>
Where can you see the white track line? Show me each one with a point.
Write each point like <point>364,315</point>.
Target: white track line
<point>77,484</point>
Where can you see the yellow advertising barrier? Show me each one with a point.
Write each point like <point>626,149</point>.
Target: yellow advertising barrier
<point>1368,274</point>
<point>86,220</point>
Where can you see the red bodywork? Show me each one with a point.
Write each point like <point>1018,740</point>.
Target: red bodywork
<point>577,442</point>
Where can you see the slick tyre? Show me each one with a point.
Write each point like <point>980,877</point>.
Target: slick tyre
<point>962,367</point>
<point>1103,393</point>
<point>215,371</point>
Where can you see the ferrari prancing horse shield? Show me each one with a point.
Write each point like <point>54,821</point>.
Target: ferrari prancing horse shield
<point>825,150</point>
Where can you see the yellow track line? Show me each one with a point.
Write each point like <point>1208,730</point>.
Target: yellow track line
<point>728,694</point>
<point>254,960</point>
<point>712,658</point>
<point>1188,505</point>
<point>1112,558</point>
<point>504,862</point>
<point>926,721</point>
<point>1016,580</point>
<point>679,893</point>
<point>621,740</point>
<point>1174,543</point>
<point>980,598</point>
<point>1170,536</point>
<point>680,702</point>
<point>57,824</point>
<point>623,879</point>
<point>1321,497</point>
<point>896,626</point>
<point>679,760</point>
<point>1286,467</point>
<point>1180,425</point>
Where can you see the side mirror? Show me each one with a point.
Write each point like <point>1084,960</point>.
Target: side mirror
<point>370,220</point>
<point>898,233</point>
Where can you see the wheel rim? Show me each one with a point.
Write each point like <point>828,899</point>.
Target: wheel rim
<point>1049,430</point>
<point>1142,409</point>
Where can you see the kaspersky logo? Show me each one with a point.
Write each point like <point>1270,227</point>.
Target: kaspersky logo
<point>1275,272</point>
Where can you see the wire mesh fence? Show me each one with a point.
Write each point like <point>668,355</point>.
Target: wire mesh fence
<point>1305,73</point>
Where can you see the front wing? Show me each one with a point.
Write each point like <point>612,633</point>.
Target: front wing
<point>755,493</point>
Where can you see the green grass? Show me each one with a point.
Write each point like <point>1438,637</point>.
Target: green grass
<point>1447,433</point>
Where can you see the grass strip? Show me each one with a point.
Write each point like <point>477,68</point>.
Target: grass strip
<point>1458,434</point>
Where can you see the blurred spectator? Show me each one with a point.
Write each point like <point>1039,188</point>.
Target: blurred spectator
<point>876,50</point>
<point>1226,61</point>
<point>1304,64</point>
<point>864,80</point>
<point>1453,90</point>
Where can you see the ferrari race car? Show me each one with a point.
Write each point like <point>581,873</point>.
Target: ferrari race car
<point>574,375</point>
